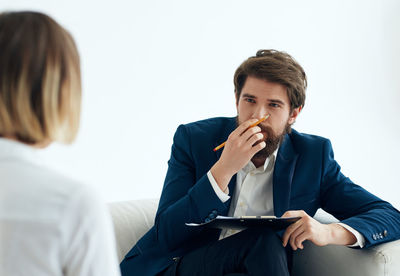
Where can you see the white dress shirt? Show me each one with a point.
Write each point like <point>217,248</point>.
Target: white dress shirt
<point>253,195</point>
<point>49,224</point>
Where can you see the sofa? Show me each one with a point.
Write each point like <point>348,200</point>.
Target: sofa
<point>132,219</point>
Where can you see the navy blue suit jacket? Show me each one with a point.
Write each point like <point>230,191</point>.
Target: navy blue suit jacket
<point>306,177</point>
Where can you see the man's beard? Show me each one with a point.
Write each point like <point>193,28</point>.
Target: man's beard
<point>272,140</point>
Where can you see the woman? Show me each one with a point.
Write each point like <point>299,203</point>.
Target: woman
<point>49,224</point>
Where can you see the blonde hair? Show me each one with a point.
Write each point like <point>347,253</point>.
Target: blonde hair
<point>40,79</point>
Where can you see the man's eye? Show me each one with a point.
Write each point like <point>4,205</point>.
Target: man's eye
<point>250,100</point>
<point>274,105</point>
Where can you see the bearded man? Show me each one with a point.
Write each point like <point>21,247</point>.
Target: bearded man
<point>268,169</point>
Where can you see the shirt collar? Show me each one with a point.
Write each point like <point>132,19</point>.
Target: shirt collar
<point>268,164</point>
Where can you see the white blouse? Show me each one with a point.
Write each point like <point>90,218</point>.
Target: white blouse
<point>49,224</point>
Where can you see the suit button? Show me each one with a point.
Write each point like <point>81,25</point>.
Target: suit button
<point>212,216</point>
<point>207,219</point>
<point>374,237</point>
<point>214,212</point>
<point>380,236</point>
<point>385,233</point>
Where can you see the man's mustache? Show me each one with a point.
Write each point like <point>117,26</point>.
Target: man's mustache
<point>268,130</point>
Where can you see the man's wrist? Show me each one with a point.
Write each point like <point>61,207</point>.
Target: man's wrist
<point>340,236</point>
<point>221,176</point>
<point>222,195</point>
<point>360,238</point>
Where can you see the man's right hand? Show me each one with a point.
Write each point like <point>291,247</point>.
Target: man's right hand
<point>238,151</point>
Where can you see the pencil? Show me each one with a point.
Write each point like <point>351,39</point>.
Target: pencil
<point>253,125</point>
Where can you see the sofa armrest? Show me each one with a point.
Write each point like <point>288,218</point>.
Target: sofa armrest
<point>131,219</point>
<point>381,260</point>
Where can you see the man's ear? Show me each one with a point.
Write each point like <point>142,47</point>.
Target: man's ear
<point>295,112</point>
<point>236,101</point>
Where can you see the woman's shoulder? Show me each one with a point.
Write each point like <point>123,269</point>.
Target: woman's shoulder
<point>40,193</point>
<point>55,216</point>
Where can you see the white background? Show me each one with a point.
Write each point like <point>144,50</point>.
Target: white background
<point>149,66</point>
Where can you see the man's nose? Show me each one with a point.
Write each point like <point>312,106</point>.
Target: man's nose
<point>260,112</point>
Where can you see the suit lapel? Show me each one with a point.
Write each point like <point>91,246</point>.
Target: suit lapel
<point>283,176</point>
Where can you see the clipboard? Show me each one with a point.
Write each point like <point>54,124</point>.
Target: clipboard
<point>244,222</point>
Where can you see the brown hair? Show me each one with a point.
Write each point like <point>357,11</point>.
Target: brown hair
<point>276,67</point>
<point>40,81</point>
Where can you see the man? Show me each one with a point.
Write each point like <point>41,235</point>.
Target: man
<point>268,169</point>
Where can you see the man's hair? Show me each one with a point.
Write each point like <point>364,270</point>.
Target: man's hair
<point>276,67</point>
<point>40,79</point>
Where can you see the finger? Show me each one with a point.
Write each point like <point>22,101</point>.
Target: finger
<point>289,232</point>
<point>298,231</point>
<point>250,133</point>
<point>301,238</point>
<point>293,238</point>
<point>243,127</point>
<point>257,148</point>
<point>292,213</point>
<point>292,242</point>
<point>254,139</point>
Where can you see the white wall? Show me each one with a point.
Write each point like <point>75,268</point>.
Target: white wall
<point>150,65</point>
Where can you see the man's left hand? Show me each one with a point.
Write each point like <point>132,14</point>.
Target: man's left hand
<point>305,228</point>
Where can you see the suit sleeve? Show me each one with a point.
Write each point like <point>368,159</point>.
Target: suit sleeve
<point>184,198</point>
<point>377,220</point>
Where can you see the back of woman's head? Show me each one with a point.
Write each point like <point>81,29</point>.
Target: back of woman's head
<point>40,83</point>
